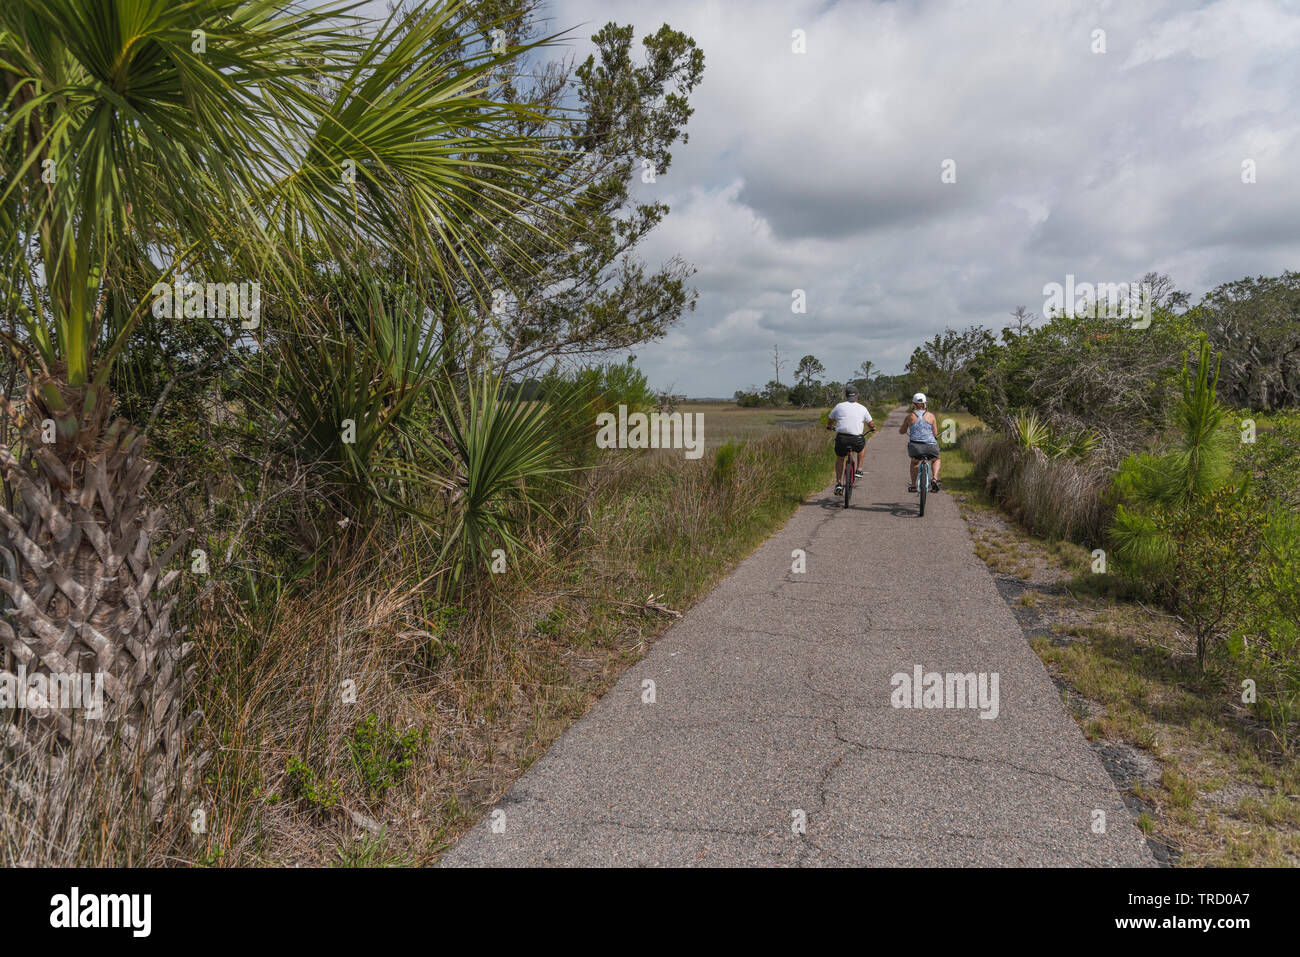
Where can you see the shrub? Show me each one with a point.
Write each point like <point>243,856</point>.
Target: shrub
<point>576,397</point>
<point>775,394</point>
<point>724,463</point>
<point>807,394</point>
<point>381,755</point>
<point>1266,645</point>
<point>1273,461</point>
<point>1081,373</point>
<point>1184,529</point>
<point>1215,540</point>
<point>315,793</point>
<point>609,386</point>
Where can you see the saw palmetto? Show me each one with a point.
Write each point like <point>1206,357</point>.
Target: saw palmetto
<point>148,142</point>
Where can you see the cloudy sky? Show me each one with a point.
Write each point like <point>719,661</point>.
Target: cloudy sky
<point>822,171</point>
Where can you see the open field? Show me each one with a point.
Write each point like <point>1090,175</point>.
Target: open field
<point>725,421</point>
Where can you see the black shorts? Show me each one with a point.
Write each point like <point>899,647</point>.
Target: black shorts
<point>845,443</point>
<point>920,450</point>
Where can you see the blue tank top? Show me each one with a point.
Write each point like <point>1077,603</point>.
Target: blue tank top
<point>922,431</point>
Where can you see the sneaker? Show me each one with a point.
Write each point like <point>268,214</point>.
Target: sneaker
<point>839,489</point>
<point>935,487</point>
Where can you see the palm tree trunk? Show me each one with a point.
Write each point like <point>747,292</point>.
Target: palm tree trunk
<point>86,602</point>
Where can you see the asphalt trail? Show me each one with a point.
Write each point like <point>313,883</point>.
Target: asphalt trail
<point>773,707</point>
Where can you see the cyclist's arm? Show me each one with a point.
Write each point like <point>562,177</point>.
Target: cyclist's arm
<point>907,420</point>
<point>830,420</point>
<point>934,427</point>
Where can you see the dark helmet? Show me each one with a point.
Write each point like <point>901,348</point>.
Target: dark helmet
<point>851,392</point>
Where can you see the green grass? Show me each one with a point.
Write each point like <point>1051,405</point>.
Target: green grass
<point>956,471</point>
<point>963,421</point>
<point>1165,706</point>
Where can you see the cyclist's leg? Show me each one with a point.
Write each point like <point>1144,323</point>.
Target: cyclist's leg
<point>931,452</point>
<point>839,470</point>
<point>915,465</point>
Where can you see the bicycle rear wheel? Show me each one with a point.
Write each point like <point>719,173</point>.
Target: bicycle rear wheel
<point>923,483</point>
<point>849,475</point>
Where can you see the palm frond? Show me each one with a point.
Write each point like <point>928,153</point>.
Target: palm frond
<point>498,447</point>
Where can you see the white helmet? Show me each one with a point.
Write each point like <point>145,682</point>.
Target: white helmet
<point>919,397</point>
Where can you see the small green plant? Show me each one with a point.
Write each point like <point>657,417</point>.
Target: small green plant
<point>440,623</point>
<point>209,858</point>
<point>724,463</point>
<point>552,624</point>
<point>314,792</point>
<point>1030,431</point>
<point>1078,445</point>
<point>381,755</point>
<point>1035,434</point>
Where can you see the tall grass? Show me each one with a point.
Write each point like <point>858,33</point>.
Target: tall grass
<point>288,678</point>
<point>1062,498</point>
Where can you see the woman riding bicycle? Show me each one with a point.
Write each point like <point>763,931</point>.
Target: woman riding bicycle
<point>922,431</point>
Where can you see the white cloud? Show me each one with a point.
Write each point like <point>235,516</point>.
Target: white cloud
<point>821,171</point>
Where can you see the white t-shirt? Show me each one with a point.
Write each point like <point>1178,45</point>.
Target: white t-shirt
<point>851,418</point>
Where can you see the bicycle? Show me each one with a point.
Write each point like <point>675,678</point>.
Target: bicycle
<point>850,470</point>
<point>849,474</point>
<point>923,480</point>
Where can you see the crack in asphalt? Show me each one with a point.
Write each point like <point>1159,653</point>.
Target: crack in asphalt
<point>973,759</point>
<point>803,638</point>
<point>669,828</point>
<point>751,719</point>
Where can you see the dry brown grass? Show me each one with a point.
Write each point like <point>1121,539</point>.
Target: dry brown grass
<point>492,679</point>
<point>1057,498</point>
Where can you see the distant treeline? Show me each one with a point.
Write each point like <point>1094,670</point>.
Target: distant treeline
<point>1089,371</point>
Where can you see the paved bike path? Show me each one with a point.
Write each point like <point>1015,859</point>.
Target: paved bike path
<point>773,706</point>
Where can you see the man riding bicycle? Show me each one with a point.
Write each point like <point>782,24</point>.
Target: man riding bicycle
<point>922,431</point>
<point>848,419</point>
